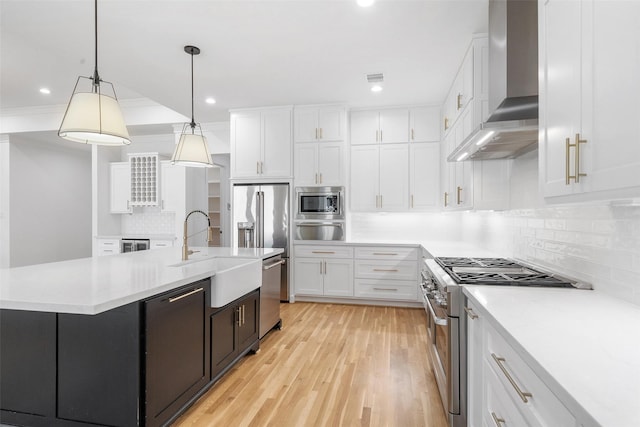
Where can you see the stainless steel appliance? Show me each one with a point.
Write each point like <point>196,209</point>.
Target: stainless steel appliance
<point>319,213</point>
<point>320,203</point>
<point>442,280</point>
<point>134,245</point>
<point>261,220</point>
<point>270,294</point>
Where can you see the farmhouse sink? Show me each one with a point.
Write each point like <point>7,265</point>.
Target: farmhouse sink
<point>234,278</point>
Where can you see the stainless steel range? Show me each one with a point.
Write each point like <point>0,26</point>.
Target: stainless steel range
<point>444,302</point>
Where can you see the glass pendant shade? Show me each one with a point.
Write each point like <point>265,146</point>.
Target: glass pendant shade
<point>192,149</point>
<point>93,117</point>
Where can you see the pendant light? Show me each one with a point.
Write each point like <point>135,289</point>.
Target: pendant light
<point>93,115</point>
<point>192,148</point>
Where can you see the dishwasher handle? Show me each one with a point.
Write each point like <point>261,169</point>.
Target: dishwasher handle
<point>274,264</point>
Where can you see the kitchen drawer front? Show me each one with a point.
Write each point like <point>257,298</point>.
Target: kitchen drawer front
<point>389,270</point>
<point>498,407</point>
<point>108,246</point>
<point>159,244</point>
<point>542,407</point>
<point>323,251</point>
<point>386,289</point>
<point>387,253</point>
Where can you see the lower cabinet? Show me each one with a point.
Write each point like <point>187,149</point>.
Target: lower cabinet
<point>141,364</point>
<point>176,350</point>
<point>28,363</point>
<point>324,271</point>
<point>235,331</point>
<point>502,388</point>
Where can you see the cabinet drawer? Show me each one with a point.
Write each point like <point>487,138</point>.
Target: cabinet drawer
<point>109,243</point>
<point>542,407</point>
<point>386,289</point>
<point>324,251</point>
<point>498,408</point>
<point>389,270</point>
<point>159,244</point>
<point>387,253</point>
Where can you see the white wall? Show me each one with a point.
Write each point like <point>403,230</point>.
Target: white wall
<point>49,200</point>
<point>4,202</point>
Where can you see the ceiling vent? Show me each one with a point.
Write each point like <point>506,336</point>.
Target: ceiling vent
<point>375,78</point>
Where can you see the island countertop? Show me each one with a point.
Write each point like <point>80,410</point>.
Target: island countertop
<point>97,284</point>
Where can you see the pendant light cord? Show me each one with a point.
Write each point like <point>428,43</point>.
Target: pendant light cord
<point>193,122</point>
<point>96,77</point>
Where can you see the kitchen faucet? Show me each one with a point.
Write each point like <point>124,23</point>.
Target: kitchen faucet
<point>185,248</point>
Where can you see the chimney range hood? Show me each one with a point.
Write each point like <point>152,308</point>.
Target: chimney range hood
<point>512,127</point>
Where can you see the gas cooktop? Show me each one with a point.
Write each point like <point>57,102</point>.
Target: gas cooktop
<point>499,271</point>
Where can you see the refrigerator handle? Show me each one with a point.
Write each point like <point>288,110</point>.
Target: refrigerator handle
<point>260,219</point>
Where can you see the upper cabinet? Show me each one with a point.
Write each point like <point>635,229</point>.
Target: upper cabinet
<point>319,123</point>
<point>319,148</point>
<point>380,126</point>
<point>424,124</point>
<point>261,143</point>
<point>589,89</point>
<point>120,180</point>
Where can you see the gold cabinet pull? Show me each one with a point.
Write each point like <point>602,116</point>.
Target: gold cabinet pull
<point>567,165</point>
<point>385,289</point>
<point>316,133</point>
<point>459,190</point>
<point>412,201</point>
<point>459,101</point>
<point>497,420</point>
<point>381,201</point>
<point>577,145</point>
<point>320,177</point>
<point>412,135</point>
<point>323,252</point>
<point>446,123</point>
<point>195,291</point>
<point>257,168</point>
<point>446,199</point>
<point>243,311</point>
<point>239,316</point>
<point>320,133</point>
<point>470,313</point>
<point>500,362</point>
<point>385,253</point>
<point>316,179</point>
<point>390,270</point>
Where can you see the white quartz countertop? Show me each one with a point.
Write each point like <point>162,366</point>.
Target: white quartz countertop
<point>584,345</point>
<point>97,284</point>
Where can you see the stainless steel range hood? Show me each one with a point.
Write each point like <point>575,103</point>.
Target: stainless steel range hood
<point>512,127</point>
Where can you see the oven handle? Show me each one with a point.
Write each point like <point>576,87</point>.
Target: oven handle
<point>319,224</point>
<point>441,321</point>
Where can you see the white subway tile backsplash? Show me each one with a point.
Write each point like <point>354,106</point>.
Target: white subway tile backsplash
<point>594,243</point>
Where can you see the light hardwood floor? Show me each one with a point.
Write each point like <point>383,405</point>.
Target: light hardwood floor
<point>330,365</point>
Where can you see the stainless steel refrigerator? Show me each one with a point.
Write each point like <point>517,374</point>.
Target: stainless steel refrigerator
<point>261,220</point>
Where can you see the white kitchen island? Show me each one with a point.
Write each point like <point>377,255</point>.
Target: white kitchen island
<point>128,339</point>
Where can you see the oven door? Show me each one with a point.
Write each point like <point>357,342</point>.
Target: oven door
<point>438,346</point>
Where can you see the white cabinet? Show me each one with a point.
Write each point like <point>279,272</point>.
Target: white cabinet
<point>161,243</point>
<point>380,177</point>
<point>424,124</point>
<point>380,126</point>
<point>389,273</point>
<point>172,188</point>
<point>588,100</point>
<point>261,143</point>
<point>501,385</point>
<point>424,176</point>
<point>324,271</point>
<point>319,123</point>
<point>319,163</point>
<point>120,187</point>
<point>108,246</point>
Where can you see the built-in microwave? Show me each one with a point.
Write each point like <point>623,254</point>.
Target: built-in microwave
<point>320,203</point>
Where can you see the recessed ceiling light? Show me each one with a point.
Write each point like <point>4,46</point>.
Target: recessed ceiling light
<point>365,3</point>
<point>45,90</point>
<point>210,100</point>
<point>376,88</point>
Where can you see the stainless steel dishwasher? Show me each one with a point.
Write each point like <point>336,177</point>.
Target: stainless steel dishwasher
<point>270,294</point>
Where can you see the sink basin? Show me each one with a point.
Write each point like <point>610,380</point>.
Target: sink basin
<point>234,278</point>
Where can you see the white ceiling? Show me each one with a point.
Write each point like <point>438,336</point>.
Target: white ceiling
<point>254,53</point>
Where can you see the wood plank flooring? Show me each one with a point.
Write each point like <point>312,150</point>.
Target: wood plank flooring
<point>330,365</point>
